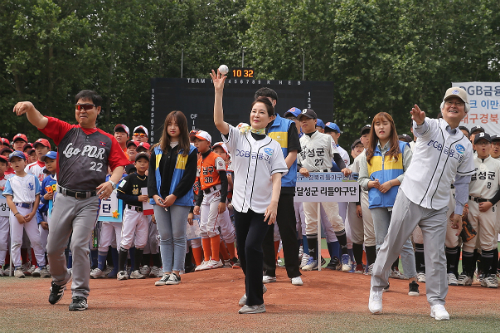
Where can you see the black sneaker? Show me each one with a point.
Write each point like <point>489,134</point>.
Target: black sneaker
<point>78,304</point>
<point>56,293</point>
<point>413,289</point>
<point>333,264</point>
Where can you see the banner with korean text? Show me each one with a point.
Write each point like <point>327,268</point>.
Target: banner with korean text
<point>326,187</point>
<point>484,100</point>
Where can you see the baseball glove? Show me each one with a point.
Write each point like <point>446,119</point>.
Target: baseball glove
<point>468,232</point>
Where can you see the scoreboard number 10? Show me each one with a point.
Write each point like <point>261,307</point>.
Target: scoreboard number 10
<point>242,73</point>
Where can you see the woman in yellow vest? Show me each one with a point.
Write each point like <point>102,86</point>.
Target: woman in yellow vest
<point>381,172</point>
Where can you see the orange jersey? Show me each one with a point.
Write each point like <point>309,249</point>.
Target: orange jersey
<point>208,170</point>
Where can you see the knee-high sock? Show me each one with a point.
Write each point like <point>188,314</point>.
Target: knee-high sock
<point>146,259</point>
<point>357,250</point>
<point>350,252</point>
<point>198,255</point>
<point>114,259</point>
<point>457,259</point>
<point>333,249</point>
<point>419,258</point>
<point>93,257</point>
<point>138,258</point>
<point>224,253</point>
<point>371,254</point>
<point>207,248</point>
<point>101,260</point>
<point>215,243</point>
<point>487,261</point>
<point>494,263</point>
<point>312,243</point>
<point>468,263</point>
<point>450,253</point>
<point>109,258</point>
<point>132,257</point>
<point>157,260</point>
<point>231,249</point>
<point>305,244</point>
<point>342,238</point>
<point>122,259</point>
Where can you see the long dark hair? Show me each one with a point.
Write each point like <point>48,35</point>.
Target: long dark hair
<point>394,139</point>
<point>179,118</point>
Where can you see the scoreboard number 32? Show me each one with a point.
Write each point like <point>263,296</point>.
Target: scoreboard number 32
<point>243,73</point>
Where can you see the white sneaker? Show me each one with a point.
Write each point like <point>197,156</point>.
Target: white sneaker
<point>438,312</point>
<point>464,280</point>
<point>297,281</point>
<point>2,273</point>
<point>268,279</point>
<point>369,270</point>
<point>122,275</point>
<point>18,273</point>
<point>212,264</point>
<point>107,270</point>
<point>145,270</point>
<point>305,259</point>
<point>421,277</point>
<point>136,275</point>
<point>173,279</point>
<point>452,280</point>
<point>243,299</point>
<point>375,302</point>
<point>311,265</point>
<point>202,266</point>
<point>346,263</point>
<point>246,309</point>
<point>96,273</point>
<point>490,281</point>
<point>155,271</point>
<point>44,272</point>
<point>36,272</point>
<point>163,280</point>
<point>395,274</point>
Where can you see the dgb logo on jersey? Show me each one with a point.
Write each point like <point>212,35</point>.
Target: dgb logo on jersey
<point>269,151</point>
<point>460,149</point>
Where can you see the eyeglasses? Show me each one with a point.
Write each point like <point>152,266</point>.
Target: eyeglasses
<point>140,134</point>
<point>86,107</point>
<point>455,103</point>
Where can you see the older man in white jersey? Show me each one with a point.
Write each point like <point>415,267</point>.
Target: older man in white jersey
<point>442,154</point>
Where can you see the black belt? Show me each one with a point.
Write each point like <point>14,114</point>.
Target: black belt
<point>211,189</point>
<point>136,208</point>
<point>323,170</point>
<point>77,194</point>
<point>23,204</point>
<point>478,200</point>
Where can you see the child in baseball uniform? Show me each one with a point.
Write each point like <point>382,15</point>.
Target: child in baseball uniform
<point>442,153</point>
<point>135,229</point>
<point>483,196</point>
<point>42,147</point>
<point>317,154</point>
<point>211,203</point>
<point>4,220</point>
<point>23,197</point>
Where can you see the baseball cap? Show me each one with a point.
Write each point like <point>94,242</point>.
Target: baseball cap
<point>495,138</point>
<point>309,113</point>
<point>456,92</point>
<point>141,128</point>
<point>4,142</point>
<point>293,112</point>
<point>27,145</point>
<point>20,136</point>
<point>8,149</point>
<point>355,143</point>
<point>464,128</point>
<point>202,135</point>
<point>144,144</point>
<point>31,151</point>
<point>129,168</point>
<point>43,142</point>
<point>482,136</point>
<point>133,142</point>
<point>320,123</point>
<point>4,159</point>
<point>476,128</point>
<point>333,127</point>
<point>17,153</point>
<point>139,155</point>
<point>220,144</point>
<point>51,154</point>
<point>366,128</point>
<point>124,127</point>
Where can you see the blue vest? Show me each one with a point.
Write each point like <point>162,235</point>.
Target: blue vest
<point>279,132</point>
<point>384,168</point>
<point>180,166</point>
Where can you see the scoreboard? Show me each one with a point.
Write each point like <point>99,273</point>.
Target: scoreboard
<point>195,98</point>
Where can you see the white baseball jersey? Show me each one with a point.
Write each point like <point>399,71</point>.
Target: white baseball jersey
<point>36,168</point>
<point>344,154</point>
<point>485,182</point>
<point>253,162</point>
<point>22,189</point>
<point>317,152</point>
<point>439,156</point>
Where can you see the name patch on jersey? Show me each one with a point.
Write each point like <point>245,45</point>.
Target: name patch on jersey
<point>254,155</point>
<point>447,150</point>
<point>90,151</point>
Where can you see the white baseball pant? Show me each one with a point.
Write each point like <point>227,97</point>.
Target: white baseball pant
<point>135,226</point>
<point>312,216</point>
<point>210,218</point>
<point>31,229</point>
<point>109,231</point>
<point>485,225</point>
<point>153,243</point>
<point>227,231</point>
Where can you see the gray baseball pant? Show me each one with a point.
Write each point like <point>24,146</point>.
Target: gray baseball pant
<point>77,216</point>
<point>406,215</point>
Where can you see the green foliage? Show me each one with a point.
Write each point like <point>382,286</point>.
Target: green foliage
<point>383,55</point>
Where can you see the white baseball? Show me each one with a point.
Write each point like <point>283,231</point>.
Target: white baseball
<point>223,69</point>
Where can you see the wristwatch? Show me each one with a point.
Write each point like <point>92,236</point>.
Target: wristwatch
<point>113,184</point>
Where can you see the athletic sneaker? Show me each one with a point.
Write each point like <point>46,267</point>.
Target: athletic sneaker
<point>145,270</point>
<point>36,272</point>
<point>369,270</point>
<point>173,279</point>
<point>26,268</point>
<point>18,273</point>
<point>235,263</point>
<point>301,252</point>
<point>155,271</point>
<point>305,260</point>
<point>311,265</point>
<point>227,263</point>
<point>464,280</point>
<point>375,301</point>
<point>97,273</point>
<point>359,269</point>
<point>56,293</point>
<point>212,264</point>
<point>122,275</point>
<point>386,288</point>
<point>107,270</point>
<point>490,281</point>
<point>452,280</point>
<point>202,266</point>
<point>163,280</point>
<point>333,264</point>
<point>297,281</point>
<point>396,274</point>
<point>413,289</point>
<point>136,275</point>
<point>1,272</point>
<point>268,279</point>
<point>438,312</point>
<point>346,263</point>
<point>78,304</point>
<point>252,309</point>
<point>44,272</point>
<point>243,299</point>
<point>421,277</point>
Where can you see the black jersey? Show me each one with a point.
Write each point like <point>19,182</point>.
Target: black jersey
<point>130,188</point>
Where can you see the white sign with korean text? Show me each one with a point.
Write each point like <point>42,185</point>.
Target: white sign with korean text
<point>484,100</point>
<point>4,208</point>
<point>326,187</point>
<point>111,209</point>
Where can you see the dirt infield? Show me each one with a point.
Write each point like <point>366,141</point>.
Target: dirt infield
<point>208,301</point>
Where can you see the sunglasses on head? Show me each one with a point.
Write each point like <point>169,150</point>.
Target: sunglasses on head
<point>140,134</point>
<point>86,107</point>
